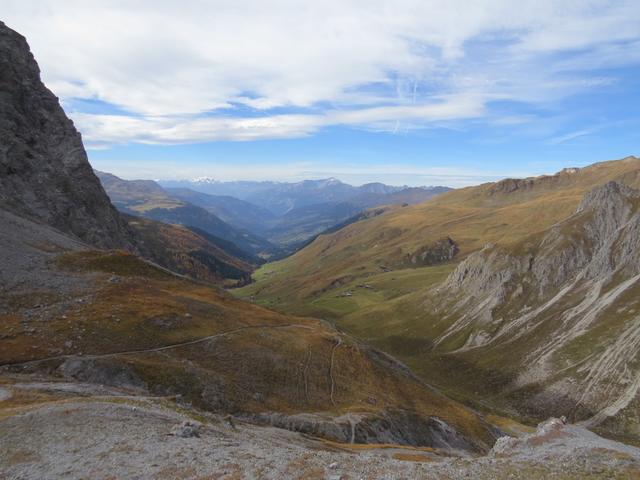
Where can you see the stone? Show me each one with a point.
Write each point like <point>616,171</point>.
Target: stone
<point>44,171</point>
<point>188,429</point>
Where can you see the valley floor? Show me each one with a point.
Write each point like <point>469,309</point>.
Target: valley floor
<point>74,430</point>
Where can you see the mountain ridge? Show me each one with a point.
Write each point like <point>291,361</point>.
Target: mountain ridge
<point>535,256</point>
<point>44,172</point>
<point>148,199</point>
<point>104,319</point>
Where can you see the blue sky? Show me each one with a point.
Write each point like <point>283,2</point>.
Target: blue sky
<point>406,92</point>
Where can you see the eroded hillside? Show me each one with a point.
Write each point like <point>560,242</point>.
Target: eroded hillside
<point>109,318</point>
<point>535,312</point>
<point>71,310</point>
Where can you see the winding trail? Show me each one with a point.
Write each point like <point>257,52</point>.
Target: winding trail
<point>155,349</point>
<point>333,382</point>
<point>305,375</point>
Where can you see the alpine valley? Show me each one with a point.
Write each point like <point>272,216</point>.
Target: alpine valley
<point>202,329</point>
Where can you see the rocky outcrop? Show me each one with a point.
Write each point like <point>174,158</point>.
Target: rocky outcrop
<point>398,427</point>
<point>441,251</point>
<point>101,372</point>
<point>557,312</point>
<point>44,171</point>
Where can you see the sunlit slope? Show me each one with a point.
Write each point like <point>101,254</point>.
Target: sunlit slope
<point>110,318</point>
<point>502,213</point>
<point>532,323</point>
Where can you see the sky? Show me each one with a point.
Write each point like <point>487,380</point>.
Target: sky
<point>428,92</point>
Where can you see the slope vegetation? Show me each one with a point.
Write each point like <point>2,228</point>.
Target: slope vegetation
<point>108,317</point>
<point>192,253</point>
<point>501,213</point>
<point>533,313</point>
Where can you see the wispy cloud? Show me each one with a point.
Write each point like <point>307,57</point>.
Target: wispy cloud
<point>200,70</point>
<point>569,136</point>
<point>99,130</point>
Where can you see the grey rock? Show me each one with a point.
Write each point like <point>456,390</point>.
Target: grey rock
<point>388,427</point>
<point>575,277</point>
<point>44,171</point>
<point>188,429</point>
<point>103,371</point>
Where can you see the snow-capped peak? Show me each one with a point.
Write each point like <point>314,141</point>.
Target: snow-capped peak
<point>204,180</point>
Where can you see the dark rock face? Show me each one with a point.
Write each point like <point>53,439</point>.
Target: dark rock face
<point>101,371</point>
<point>390,426</point>
<point>44,171</point>
<point>441,251</point>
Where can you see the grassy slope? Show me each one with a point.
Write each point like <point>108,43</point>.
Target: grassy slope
<point>393,317</point>
<point>266,362</point>
<point>183,251</point>
<point>494,212</point>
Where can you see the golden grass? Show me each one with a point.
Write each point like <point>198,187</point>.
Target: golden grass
<point>472,216</point>
<point>411,457</point>
<point>117,263</point>
<point>282,360</point>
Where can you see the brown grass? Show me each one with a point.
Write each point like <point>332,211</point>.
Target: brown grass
<point>284,359</point>
<point>412,457</point>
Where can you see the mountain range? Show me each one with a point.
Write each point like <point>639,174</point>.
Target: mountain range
<point>412,326</point>
<point>269,219</point>
<point>80,305</point>
<point>282,197</point>
<point>520,295</point>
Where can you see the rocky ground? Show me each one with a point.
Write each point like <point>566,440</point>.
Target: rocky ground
<point>51,430</point>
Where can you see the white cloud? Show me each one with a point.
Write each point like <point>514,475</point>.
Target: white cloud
<point>182,67</point>
<point>100,130</point>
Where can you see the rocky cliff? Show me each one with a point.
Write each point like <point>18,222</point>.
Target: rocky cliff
<point>44,171</point>
<point>558,313</point>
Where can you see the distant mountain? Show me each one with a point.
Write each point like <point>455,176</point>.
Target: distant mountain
<point>239,189</point>
<point>234,211</point>
<point>281,198</point>
<point>377,187</point>
<point>148,199</point>
<point>301,223</point>
<point>288,196</point>
<point>289,214</point>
